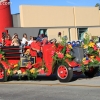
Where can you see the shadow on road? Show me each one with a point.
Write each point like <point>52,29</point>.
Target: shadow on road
<point>50,78</point>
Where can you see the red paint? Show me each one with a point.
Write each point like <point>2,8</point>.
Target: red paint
<point>5,18</point>
<point>5,65</point>
<point>13,61</point>
<point>72,63</point>
<point>47,55</point>
<point>62,72</point>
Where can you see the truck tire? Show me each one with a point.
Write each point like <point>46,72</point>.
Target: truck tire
<point>91,72</point>
<point>3,76</point>
<point>64,73</point>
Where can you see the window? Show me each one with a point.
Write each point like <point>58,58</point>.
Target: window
<point>43,31</point>
<point>80,33</point>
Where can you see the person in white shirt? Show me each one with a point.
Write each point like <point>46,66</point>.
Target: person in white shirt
<point>24,40</point>
<point>31,40</point>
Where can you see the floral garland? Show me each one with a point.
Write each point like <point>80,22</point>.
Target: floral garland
<point>29,69</point>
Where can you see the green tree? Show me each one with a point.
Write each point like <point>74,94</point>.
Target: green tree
<point>97,5</point>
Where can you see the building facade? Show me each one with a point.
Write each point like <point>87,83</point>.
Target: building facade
<point>70,21</point>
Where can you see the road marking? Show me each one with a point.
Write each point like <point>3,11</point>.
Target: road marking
<point>57,84</point>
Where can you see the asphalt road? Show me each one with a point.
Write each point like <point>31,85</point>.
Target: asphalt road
<point>80,89</point>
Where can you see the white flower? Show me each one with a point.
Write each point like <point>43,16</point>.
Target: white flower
<point>19,72</point>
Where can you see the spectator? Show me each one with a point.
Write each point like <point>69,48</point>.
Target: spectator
<point>8,41</point>
<point>24,40</point>
<point>15,41</point>
<point>31,40</point>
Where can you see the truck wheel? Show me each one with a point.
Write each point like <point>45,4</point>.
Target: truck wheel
<point>91,72</point>
<point>3,77</point>
<point>64,74</point>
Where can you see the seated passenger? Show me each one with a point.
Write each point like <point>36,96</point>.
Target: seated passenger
<point>24,40</point>
<point>39,38</point>
<point>8,41</point>
<point>36,48</point>
<point>31,40</point>
<point>15,41</point>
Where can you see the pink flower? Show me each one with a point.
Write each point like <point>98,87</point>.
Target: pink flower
<point>29,66</point>
<point>95,48</point>
<point>60,55</point>
<point>0,55</point>
<point>52,53</point>
<point>67,50</point>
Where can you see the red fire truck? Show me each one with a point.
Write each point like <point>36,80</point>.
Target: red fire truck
<point>14,55</point>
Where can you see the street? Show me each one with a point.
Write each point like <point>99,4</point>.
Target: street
<point>51,89</point>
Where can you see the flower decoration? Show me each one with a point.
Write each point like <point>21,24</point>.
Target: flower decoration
<point>90,46</point>
<point>2,57</point>
<point>91,62</point>
<point>92,52</point>
<point>62,52</point>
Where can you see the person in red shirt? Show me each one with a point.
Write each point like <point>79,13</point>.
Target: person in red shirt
<point>35,48</point>
<point>8,41</point>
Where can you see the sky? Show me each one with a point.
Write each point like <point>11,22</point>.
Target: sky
<point>15,3</point>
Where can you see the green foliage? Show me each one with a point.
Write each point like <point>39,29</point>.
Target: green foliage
<point>28,74</point>
<point>97,5</point>
<point>63,40</point>
<point>95,63</point>
<point>19,64</point>
<point>86,40</point>
<point>1,52</point>
<point>31,75</point>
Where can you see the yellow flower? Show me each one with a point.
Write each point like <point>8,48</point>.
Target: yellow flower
<point>8,71</point>
<point>32,70</point>
<point>85,46</point>
<point>70,47</point>
<point>83,59</point>
<point>15,65</point>
<point>98,50</point>
<point>91,44</point>
<point>92,57</point>
<point>68,55</point>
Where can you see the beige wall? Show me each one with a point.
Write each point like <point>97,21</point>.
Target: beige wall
<point>73,33</point>
<point>46,16</point>
<point>53,16</point>
<point>53,33</point>
<point>94,31</point>
<point>87,16</point>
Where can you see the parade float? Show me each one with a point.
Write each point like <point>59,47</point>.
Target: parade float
<point>58,58</point>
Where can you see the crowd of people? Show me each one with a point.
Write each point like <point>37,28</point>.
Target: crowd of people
<point>15,41</point>
<point>35,43</point>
